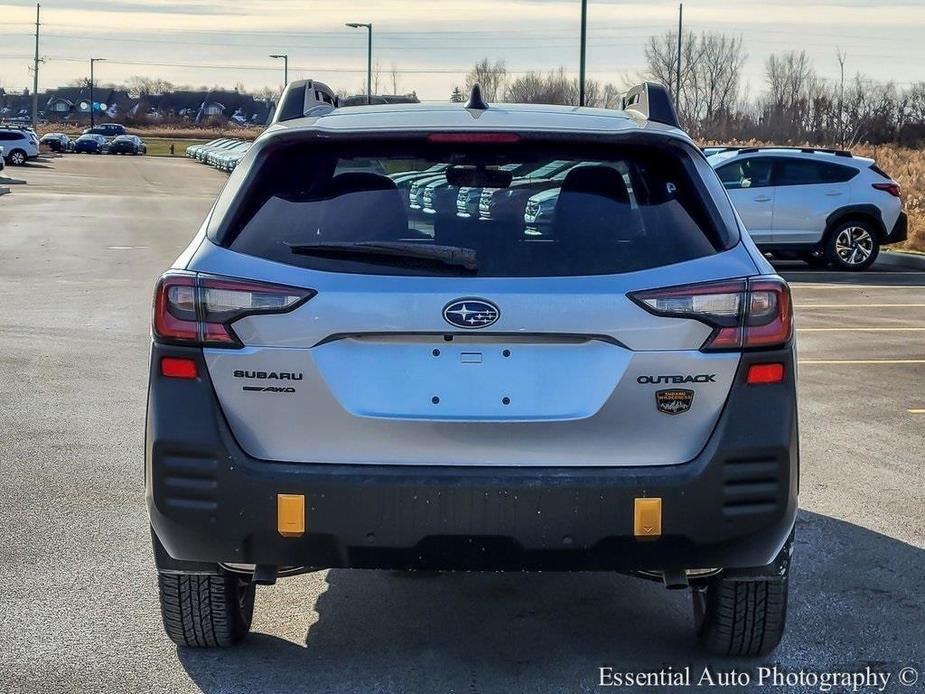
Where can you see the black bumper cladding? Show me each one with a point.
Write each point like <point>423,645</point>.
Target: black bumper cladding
<point>731,507</point>
<point>900,230</point>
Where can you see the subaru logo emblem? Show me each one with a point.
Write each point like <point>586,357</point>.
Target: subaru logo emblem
<point>471,313</point>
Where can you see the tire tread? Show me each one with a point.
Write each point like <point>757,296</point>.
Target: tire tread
<point>203,611</point>
<point>744,618</point>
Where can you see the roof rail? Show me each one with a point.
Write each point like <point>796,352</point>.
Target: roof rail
<point>653,101</point>
<point>304,98</point>
<point>805,150</point>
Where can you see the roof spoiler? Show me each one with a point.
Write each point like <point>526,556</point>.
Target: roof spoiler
<point>653,101</point>
<point>303,98</point>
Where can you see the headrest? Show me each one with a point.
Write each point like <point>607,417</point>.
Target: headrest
<point>604,181</point>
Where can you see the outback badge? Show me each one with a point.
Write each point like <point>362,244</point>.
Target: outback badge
<point>674,401</point>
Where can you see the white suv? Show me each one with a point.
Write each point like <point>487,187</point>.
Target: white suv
<point>19,145</point>
<point>824,206</point>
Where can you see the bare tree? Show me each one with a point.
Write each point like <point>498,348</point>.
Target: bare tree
<point>711,70</point>
<point>394,75</point>
<point>491,77</point>
<point>662,64</point>
<point>377,77</point>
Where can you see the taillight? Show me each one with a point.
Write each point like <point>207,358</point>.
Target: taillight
<point>196,309</point>
<point>892,188</point>
<point>744,314</point>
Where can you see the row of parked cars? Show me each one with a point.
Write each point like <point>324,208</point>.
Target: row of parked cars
<point>826,207</point>
<point>108,138</point>
<point>223,153</point>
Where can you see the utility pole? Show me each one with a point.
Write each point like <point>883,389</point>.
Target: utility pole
<point>35,72</point>
<point>92,60</point>
<point>369,59</point>
<point>677,88</point>
<point>581,62</point>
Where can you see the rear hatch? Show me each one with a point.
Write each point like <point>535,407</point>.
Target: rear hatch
<point>456,341</point>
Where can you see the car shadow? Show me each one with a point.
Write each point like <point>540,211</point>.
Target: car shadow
<point>857,598</point>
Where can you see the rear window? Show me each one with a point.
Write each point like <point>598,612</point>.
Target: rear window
<point>493,210</point>
<point>799,172</point>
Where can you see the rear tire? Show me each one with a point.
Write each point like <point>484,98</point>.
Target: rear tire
<point>741,618</point>
<point>17,157</point>
<point>852,245</point>
<point>206,611</point>
<point>744,617</point>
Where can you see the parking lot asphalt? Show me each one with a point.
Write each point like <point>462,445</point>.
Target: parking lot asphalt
<point>80,247</point>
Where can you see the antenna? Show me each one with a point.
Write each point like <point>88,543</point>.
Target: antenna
<point>475,99</point>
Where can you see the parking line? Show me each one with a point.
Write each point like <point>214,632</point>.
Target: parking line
<point>862,361</point>
<point>857,330</point>
<point>916,411</point>
<point>859,305</point>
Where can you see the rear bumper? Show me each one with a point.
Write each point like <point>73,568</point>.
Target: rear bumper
<point>900,230</point>
<point>732,507</point>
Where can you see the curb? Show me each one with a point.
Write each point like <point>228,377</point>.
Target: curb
<point>4,190</point>
<point>899,259</point>
<point>5,181</point>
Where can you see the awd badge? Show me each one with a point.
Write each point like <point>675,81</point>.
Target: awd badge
<point>674,401</point>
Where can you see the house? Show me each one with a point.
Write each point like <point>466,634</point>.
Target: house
<point>379,99</point>
<point>73,103</point>
<point>16,106</point>
<point>199,107</point>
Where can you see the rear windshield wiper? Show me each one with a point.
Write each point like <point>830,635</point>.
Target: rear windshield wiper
<point>378,251</point>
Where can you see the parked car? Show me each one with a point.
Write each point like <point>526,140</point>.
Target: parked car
<point>331,387</point>
<point>90,144</point>
<point>19,144</point>
<point>223,159</point>
<point>510,202</point>
<point>207,154</point>
<point>56,142</point>
<point>193,149</point>
<point>467,201</point>
<point>539,212</point>
<point>127,144</point>
<point>2,160</point>
<point>107,130</point>
<point>827,207</point>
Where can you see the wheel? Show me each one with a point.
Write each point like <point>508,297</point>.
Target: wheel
<point>17,157</point>
<point>852,245</point>
<point>206,611</point>
<point>743,617</point>
<point>814,259</point>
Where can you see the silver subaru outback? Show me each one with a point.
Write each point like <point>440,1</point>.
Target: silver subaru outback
<point>336,383</point>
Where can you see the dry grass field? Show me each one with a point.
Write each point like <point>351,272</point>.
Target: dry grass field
<point>907,166</point>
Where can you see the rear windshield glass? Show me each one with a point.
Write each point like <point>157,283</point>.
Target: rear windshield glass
<point>508,210</point>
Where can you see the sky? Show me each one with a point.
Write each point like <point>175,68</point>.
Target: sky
<point>432,43</point>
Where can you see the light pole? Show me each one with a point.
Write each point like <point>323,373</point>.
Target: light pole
<point>369,59</point>
<point>285,58</point>
<point>584,40</point>
<point>92,61</point>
